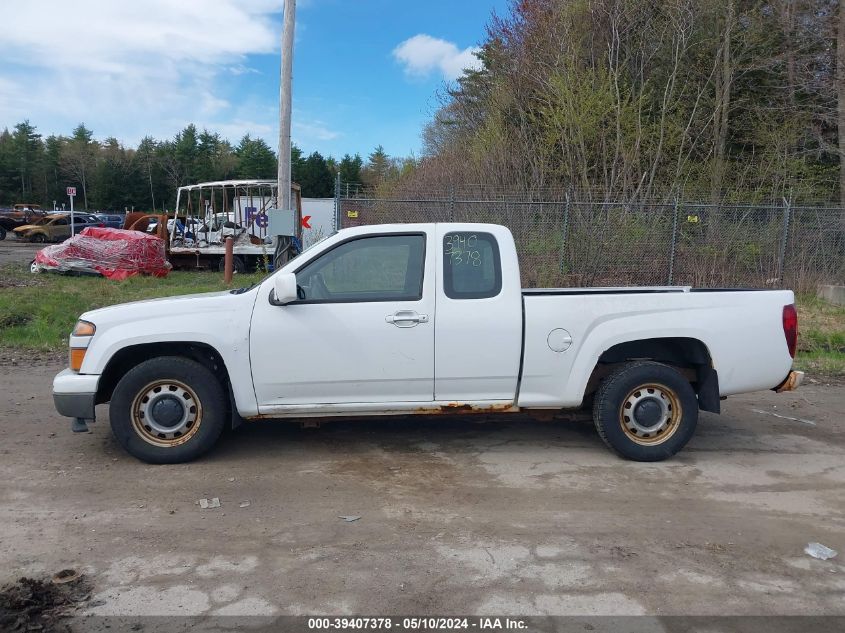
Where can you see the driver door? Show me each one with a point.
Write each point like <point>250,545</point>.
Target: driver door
<point>58,230</point>
<point>362,331</point>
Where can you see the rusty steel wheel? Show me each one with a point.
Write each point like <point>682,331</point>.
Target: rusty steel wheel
<point>166,413</point>
<point>645,411</point>
<point>650,414</point>
<point>169,409</point>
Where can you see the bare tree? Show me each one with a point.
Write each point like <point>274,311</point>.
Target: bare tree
<point>721,111</point>
<point>78,157</point>
<point>840,106</point>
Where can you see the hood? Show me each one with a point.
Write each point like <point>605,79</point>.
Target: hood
<point>192,306</point>
<point>26,227</point>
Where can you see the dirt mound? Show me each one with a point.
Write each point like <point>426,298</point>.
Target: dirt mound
<point>41,604</point>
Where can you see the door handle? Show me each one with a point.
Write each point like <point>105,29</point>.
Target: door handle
<point>406,318</point>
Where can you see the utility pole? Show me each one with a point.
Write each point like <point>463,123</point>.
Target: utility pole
<point>283,199</point>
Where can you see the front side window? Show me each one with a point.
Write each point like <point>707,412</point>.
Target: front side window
<point>471,265</point>
<point>378,268</point>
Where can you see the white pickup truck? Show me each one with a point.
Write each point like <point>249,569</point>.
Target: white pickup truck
<point>417,319</point>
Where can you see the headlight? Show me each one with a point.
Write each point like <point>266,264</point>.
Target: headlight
<point>84,328</point>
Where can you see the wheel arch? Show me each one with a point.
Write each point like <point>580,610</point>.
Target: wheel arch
<point>130,356</point>
<point>689,355</point>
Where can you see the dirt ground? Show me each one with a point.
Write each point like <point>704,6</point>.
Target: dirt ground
<point>13,251</point>
<point>509,516</point>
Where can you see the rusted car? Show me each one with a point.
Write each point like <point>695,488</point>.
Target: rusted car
<point>55,227</point>
<point>20,215</point>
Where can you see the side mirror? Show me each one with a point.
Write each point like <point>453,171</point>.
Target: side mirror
<point>284,289</point>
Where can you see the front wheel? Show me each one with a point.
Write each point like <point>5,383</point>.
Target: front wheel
<point>39,238</point>
<point>2,234</point>
<point>168,410</point>
<point>645,411</point>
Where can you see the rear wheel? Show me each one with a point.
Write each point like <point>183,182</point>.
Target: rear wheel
<point>2,233</point>
<point>168,410</point>
<point>645,411</point>
<point>238,265</point>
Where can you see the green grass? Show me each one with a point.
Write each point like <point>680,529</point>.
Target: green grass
<point>37,312</point>
<point>821,337</point>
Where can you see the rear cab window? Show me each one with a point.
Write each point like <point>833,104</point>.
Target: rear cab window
<point>472,268</point>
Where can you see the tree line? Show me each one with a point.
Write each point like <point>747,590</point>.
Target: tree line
<point>624,99</point>
<point>111,176</point>
<point>613,99</point>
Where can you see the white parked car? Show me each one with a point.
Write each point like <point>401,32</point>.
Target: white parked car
<point>422,318</point>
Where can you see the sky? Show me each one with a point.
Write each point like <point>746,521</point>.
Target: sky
<point>366,72</point>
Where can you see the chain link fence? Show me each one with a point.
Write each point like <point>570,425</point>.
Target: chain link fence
<point>566,241</point>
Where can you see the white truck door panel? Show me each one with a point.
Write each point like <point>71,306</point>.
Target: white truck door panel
<point>363,333</point>
<point>478,331</point>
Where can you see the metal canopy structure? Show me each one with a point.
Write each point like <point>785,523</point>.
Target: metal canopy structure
<point>238,206</point>
<point>229,183</point>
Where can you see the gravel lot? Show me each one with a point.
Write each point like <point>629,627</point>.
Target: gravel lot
<point>508,516</point>
<point>13,251</point>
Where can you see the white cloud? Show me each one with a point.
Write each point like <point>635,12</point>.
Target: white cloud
<point>423,54</point>
<point>241,69</point>
<point>110,36</point>
<point>307,131</point>
<point>129,68</point>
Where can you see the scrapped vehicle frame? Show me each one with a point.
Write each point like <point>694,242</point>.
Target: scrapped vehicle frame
<point>236,208</point>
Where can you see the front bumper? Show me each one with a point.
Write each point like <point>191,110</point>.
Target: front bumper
<point>792,382</point>
<point>74,395</point>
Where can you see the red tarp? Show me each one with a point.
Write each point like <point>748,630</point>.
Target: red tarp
<point>113,253</point>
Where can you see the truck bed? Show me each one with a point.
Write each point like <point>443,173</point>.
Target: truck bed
<point>629,290</point>
<point>742,331</point>
<point>622,290</point>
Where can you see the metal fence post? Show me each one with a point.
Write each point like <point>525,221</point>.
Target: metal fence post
<point>337,202</point>
<point>784,236</point>
<point>674,243</point>
<point>451,203</point>
<point>564,234</point>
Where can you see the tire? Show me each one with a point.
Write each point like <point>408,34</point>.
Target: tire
<point>2,234</point>
<point>238,266</point>
<point>38,238</point>
<point>666,405</point>
<point>192,410</point>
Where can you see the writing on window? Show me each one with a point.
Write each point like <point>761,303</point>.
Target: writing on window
<point>471,265</point>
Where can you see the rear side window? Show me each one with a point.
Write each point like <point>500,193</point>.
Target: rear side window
<point>471,265</point>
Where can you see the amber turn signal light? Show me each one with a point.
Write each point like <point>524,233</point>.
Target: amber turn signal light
<point>77,355</point>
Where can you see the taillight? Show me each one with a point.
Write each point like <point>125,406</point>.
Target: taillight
<point>790,327</point>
